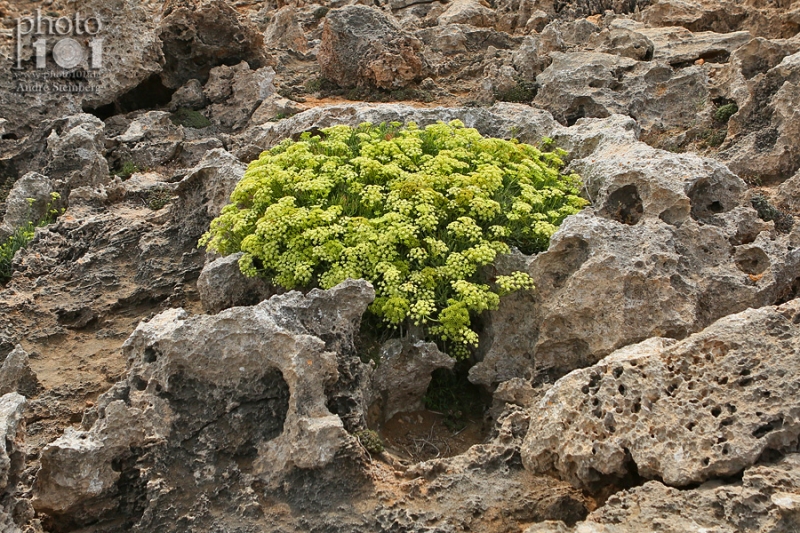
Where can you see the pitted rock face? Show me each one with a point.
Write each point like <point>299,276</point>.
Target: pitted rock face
<point>766,499</point>
<point>198,35</point>
<point>235,398</point>
<point>683,412</point>
<point>363,46</point>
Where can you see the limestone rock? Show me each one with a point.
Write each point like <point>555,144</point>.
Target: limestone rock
<point>222,285</point>
<point>655,262</point>
<point>199,35</point>
<point>236,92</point>
<point>216,175</point>
<point>680,47</point>
<point>273,108</point>
<point>284,31</point>
<point>403,374</point>
<point>202,394</point>
<point>12,434</point>
<point>623,42</point>
<point>150,140</point>
<point>594,84</point>
<point>533,55</point>
<point>27,201</point>
<point>75,153</point>
<point>471,12</point>
<point>764,132</point>
<point>724,16</point>
<point>131,55</point>
<point>684,412</point>
<point>765,500</point>
<point>190,95</point>
<point>16,374</point>
<point>501,120</point>
<point>362,46</point>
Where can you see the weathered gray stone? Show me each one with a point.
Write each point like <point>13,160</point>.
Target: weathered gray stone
<point>471,12</point>
<point>363,46</point>
<point>75,153</point>
<point>678,46</point>
<point>131,54</point>
<point>150,140</point>
<point>284,32</point>
<point>623,42</point>
<point>198,35</point>
<point>203,391</point>
<point>594,84</point>
<point>683,412</point>
<point>16,374</point>
<point>216,175</point>
<point>403,374</point>
<point>222,285</point>
<point>501,120</point>
<point>724,16</point>
<point>658,255</point>
<point>763,135</point>
<point>766,499</point>
<point>236,92</point>
<point>190,95</point>
<point>27,201</point>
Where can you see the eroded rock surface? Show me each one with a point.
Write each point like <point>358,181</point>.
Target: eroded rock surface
<point>682,412</point>
<point>766,499</point>
<point>360,45</point>
<point>233,396</point>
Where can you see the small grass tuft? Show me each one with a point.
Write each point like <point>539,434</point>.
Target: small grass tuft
<point>724,113</point>
<point>189,118</point>
<point>158,198</point>
<point>370,440</point>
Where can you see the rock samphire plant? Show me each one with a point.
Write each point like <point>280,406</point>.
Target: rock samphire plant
<point>416,211</point>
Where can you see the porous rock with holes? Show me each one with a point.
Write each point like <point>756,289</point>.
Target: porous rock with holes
<point>767,498</point>
<point>669,245</point>
<point>363,46</point>
<point>683,412</point>
<point>236,399</point>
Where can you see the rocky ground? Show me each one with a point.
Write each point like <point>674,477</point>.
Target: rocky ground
<point>648,384</point>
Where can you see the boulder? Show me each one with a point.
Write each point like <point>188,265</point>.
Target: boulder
<point>216,175</point>
<point>131,54</point>
<point>680,47</point>
<point>222,285</point>
<point>198,35</point>
<point>763,135</point>
<point>150,140</point>
<point>594,84</point>
<point>682,411</point>
<point>622,42</point>
<point>28,201</point>
<point>284,31</point>
<point>236,92</point>
<point>12,462</point>
<point>75,153</point>
<point>724,16</point>
<point>501,120</point>
<point>766,499</point>
<point>404,371</point>
<point>665,251</point>
<point>533,55</point>
<point>189,95</point>
<point>16,374</point>
<point>363,46</point>
<point>471,12</point>
<point>235,399</point>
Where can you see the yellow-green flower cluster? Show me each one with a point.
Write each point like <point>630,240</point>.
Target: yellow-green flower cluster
<point>416,211</point>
